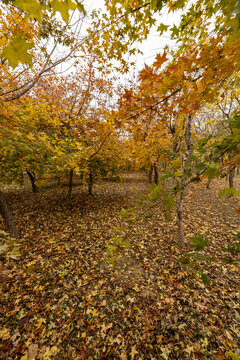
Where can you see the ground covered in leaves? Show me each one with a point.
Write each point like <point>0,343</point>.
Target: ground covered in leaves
<point>61,299</point>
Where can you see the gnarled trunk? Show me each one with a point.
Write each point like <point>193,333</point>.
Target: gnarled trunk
<point>32,178</point>
<point>7,216</point>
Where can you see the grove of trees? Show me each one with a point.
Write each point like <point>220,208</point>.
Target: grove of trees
<point>64,112</point>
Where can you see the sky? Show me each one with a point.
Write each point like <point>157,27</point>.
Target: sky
<point>154,43</point>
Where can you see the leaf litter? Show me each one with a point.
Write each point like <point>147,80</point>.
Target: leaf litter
<point>61,299</point>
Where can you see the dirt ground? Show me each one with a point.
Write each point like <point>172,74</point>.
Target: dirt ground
<point>62,299</point>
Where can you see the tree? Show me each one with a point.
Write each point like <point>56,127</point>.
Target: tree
<point>19,34</point>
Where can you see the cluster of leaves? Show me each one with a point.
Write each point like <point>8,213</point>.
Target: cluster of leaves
<point>17,48</point>
<point>148,305</point>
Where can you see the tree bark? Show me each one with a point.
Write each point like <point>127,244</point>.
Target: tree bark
<point>90,183</point>
<point>7,216</point>
<point>155,174</point>
<point>189,150</point>
<point>150,171</point>
<point>231,177</point>
<point>180,232</point>
<point>32,178</point>
<point>70,184</point>
<point>231,173</point>
<point>208,184</point>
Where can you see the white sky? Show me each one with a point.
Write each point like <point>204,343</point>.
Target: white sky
<point>154,43</point>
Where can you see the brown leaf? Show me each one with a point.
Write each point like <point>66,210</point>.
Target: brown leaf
<point>32,351</point>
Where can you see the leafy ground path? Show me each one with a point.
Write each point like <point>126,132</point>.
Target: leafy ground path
<point>62,300</point>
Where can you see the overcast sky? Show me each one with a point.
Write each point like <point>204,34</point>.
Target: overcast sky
<point>155,43</point>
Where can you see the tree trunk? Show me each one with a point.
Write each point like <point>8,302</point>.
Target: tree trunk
<point>7,216</point>
<point>90,183</point>
<point>174,151</point>
<point>32,178</point>
<point>155,174</point>
<point>21,179</point>
<point>180,232</point>
<point>231,177</point>
<point>189,150</point>
<point>70,184</point>
<point>150,171</point>
<point>231,173</point>
<point>208,184</point>
<point>209,180</point>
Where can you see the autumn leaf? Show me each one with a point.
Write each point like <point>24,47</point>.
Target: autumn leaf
<point>17,50</point>
<point>32,351</point>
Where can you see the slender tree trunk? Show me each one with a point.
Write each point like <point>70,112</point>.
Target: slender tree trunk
<point>174,151</point>
<point>237,170</point>
<point>70,184</point>
<point>208,184</point>
<point>32,178</point>
<point>231,177</point>
<point>90,183</point>
<point>209,180</point>
<point>7,216</point>
<point>150,171</point>
<point>21,179</point>
<point>231,173</point>
<point>155,174</point>
<point>180,232</point>
<point>189,150</point>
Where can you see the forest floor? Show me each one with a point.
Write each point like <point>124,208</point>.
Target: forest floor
<point>61,299</point>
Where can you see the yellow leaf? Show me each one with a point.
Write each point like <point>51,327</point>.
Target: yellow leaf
<point>133,352</point>
<point>84,335</point>
<point>5,334</point>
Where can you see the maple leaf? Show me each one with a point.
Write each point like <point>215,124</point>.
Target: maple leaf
<point>159,60</point>
<point>133,352</point>
<point>32,7</point>
<point>17,50</point>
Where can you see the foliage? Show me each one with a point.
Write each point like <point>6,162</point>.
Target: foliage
<point>228,192</point>
<point>198,242</point>
<point>234,247</point>
<point>16,50</point>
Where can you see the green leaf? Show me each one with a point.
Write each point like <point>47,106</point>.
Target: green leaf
<point>156,4</point>
<point>17,51</point>
<point>162,28</point>
<point>199,242</point>
<point>175,31</point>
<point>32,7</point>
<point>112,248</point>
<point>126,244</point>
<point>228,192</point>
<point>63,7</point>
<point>112,261</point>
<point>117,240</point>
<point>205,279</point>
<point>212,171</point>
<point>234,356</point>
